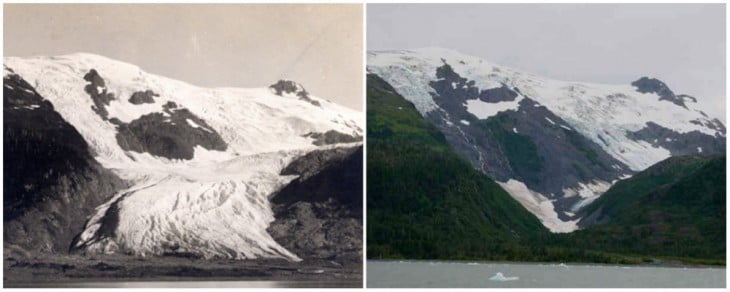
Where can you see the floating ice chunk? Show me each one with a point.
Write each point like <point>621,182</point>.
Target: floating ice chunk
<point>515,130</point>
<point>699,149</point>
<point>549,120</point>
<point>501,278</point>
<point>465,122</point>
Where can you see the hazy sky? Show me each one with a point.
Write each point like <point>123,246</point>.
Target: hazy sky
<point>680,44</point>
<point>319,46</point>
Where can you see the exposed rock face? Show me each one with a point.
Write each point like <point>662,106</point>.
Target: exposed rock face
<point>531,144</point>
<point>319,215</point>
<point>652,85</point>
<point>172,133</point>
<point>680,143</point>
<point>51,180</point>
<point>289,87</point>
<point>498,94</point>
<point>97,90</point>
<point>141,97</point>
<point>332,137</point>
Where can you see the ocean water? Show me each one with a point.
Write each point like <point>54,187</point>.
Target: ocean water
<point>460,274</point>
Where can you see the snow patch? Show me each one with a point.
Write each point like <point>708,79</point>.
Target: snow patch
<point>539,205</point>
<point>587,190</point>
<point>194,125</point>
<point>485,110</point>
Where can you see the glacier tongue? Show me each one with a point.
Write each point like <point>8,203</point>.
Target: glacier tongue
<point>208,210</point>
<point>539,205</point>
<point>213,205</point>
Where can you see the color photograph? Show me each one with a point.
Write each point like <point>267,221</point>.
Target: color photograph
<point>546,145</point>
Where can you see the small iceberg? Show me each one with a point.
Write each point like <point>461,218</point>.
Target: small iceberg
<point>501,278</point>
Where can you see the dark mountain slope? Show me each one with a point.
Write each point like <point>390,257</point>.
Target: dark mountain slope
<point>424,201</point>
<point>51,180</point>
<point>319,214</point>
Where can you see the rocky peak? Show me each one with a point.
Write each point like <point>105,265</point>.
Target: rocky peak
<point>653,85</point>
<point>288,87</point>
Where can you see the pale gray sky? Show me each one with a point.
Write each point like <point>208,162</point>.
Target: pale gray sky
<point>236,45</point>
<point>680,44</point>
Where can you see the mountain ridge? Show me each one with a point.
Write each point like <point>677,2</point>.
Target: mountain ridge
<point>199,163</point>
<point>555,146</point>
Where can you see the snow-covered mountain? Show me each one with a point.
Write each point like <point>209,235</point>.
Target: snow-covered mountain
<point>201,163</point>
<point>555,146</point>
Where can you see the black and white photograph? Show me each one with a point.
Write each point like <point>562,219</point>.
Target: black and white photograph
<point>183,145</point>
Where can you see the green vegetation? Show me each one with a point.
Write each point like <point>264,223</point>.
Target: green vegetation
<point>426,202</point>
<point>675,208</point>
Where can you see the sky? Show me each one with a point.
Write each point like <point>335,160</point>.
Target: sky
<point>233,45</point>
<point>680,44</point>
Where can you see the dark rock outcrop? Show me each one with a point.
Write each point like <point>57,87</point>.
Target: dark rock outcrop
<point>694,142</point>
<point>498,94</point>
<point>653,85</point>
<point>141,97</point>
<point>530,144</point>
<point>97,90</point>
<point>172,135</point>
<point>290,87</point>
<point>332,137</point>
<point>51,180</point>
<point>319,214</point>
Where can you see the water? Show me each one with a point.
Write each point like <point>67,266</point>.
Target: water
<point>190,284</point>
<point>451,274</point>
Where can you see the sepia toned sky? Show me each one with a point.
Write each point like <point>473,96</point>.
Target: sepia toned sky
<point>680,44</point>
<point>222,45</point>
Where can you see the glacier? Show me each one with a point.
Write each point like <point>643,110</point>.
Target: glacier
<point>602,113</point>
<point>215,205</point>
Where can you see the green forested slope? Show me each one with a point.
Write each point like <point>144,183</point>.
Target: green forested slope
<point>424,201</point>
<point>675,208</point>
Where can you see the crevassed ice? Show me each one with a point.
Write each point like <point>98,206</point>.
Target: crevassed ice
<point>215,204</point>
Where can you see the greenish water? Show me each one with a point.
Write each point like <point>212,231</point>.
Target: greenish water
<point>457,274</point>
